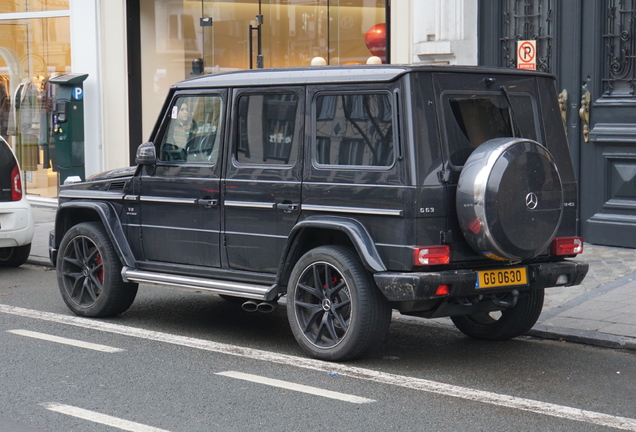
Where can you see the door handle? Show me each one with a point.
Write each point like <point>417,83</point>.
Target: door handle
<point>287,207</point>
<point>584,113</point>
<point>207,203</point>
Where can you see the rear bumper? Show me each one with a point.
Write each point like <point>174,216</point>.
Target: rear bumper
<point>402,287</point>
<point>16,223</point>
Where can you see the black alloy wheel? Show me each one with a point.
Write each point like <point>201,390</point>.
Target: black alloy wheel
<point>335,311</point>
<point>89,273</point>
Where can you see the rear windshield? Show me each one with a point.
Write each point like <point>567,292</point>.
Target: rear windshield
<point>7,163</point>
<point>472,119</point>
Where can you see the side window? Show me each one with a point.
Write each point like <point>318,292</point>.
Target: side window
<point>194,130</point>
<point>268,129</point>
<point>354,130</point>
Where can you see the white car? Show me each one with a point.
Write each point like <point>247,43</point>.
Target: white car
<point>16,217</point>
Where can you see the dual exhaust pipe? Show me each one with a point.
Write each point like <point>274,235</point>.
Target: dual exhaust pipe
<point>259,306</point>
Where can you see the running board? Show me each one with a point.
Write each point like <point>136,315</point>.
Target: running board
<point>251,291</point>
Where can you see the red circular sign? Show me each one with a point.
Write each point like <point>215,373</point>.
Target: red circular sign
<point>526,52</point>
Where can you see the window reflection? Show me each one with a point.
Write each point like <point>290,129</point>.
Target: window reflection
<point>194,130</point>
<point>12,6</point>
<point>292,34</point>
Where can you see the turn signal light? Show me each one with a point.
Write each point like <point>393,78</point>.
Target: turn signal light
<point>567,246</point>
<point>431,255</point>
<point>16,184</point>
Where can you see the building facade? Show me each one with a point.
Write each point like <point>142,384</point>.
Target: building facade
<point>133,50</point>
<point>590,46</point>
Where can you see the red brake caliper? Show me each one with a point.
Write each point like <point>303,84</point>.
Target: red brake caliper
<point>100,273</point>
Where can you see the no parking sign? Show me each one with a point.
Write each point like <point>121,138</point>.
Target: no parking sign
<point>527,55</point>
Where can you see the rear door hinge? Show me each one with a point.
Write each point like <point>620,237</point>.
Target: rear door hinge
<point>443,176</point>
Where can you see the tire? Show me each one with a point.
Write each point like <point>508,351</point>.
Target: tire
<point>14,256</point>
<point>89,273</point>
<point>511,323</point>
<point>334,309</point>
<point>510,199</point>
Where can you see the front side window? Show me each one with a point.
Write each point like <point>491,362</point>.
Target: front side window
<point>193,133</point>
<point>354,130</point>
<point>268,129</point>
<point>474,119</point>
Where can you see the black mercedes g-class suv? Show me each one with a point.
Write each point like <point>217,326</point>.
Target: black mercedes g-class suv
<point>433,191</point>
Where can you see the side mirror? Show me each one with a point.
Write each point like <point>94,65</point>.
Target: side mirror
<point>146,154</point>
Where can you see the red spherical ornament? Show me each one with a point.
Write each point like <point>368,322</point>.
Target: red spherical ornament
<point>375,40</point>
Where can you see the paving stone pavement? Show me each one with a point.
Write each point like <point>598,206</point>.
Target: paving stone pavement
<point>600,311</point>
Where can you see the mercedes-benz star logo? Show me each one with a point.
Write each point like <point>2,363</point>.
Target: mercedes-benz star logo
<point>326,305</point>
<point>532,201</point>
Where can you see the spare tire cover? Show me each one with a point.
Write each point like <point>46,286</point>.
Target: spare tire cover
<point>509,199</point>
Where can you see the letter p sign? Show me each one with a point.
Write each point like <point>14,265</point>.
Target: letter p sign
<point>77,93</point>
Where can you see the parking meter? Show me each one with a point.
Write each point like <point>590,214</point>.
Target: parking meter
<point>68,125</point>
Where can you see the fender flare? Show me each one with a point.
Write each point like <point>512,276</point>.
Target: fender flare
<point>109,219</point>
<point>355,231</point>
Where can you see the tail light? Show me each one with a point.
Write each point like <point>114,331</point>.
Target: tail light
<point>567,246</point>
<point>431,255</point>
<point>16,184</point>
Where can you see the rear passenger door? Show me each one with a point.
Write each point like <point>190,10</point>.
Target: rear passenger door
<point>352,170</point>
<point>262,188</point>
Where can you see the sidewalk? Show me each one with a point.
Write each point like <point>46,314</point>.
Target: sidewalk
<point>601,311</point>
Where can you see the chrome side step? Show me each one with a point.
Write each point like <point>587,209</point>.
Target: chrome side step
<point>238,289</point>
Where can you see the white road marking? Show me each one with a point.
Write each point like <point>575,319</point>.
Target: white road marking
<point>497,399</point>
<point>100,418</point>
<point>66,341</point>
<point>296,387</point>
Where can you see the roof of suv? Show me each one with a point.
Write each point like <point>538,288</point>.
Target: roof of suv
<point>327,74</point>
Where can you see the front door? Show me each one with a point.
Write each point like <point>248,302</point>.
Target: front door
<point>590,46</point>
<point>179,200</point>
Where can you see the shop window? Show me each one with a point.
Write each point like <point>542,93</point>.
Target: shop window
<point>32,51</point>
<point>12,6</point>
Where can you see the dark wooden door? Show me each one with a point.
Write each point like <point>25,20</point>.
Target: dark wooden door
<point>608,147</point>
<point>590,45</point>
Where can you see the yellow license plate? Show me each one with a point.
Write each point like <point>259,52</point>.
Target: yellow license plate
<point>499,278</point>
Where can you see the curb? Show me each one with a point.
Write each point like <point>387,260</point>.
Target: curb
<point>39,261</point>
<point>602,340</point>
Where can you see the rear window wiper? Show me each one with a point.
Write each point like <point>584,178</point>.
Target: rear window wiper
<point>513,122</point>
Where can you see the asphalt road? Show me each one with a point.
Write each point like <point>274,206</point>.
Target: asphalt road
<point>189,361</point>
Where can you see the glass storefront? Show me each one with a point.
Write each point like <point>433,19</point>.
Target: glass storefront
<point>32,50</point>
<point>11,6</point>
<point>181,38</point>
